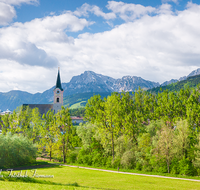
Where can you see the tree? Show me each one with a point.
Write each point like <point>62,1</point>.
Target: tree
<point>111,119</point>
<point>24,120</point>
<point>93,108</point>
<point>196,160</point>
<point>164,146</point>
<point>193,111</point>
<point>130,116</point>
<point>5,123</point>
<point>65,123</point>
<point>13,121</point>
<point>49,133</point>
<point>106,114</point>
<point>181,139</point>
<point>35,125</point>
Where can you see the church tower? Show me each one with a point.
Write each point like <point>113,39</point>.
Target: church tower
<point>58,94</point>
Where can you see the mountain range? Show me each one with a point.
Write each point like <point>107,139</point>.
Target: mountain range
<point>193,73</point>
<point>88,83</point>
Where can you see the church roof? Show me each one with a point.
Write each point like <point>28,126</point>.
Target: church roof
<point>43,108</point>
<point>58,82</point>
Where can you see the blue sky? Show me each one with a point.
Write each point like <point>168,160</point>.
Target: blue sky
<point>156,40</point>
<point>43,8</point>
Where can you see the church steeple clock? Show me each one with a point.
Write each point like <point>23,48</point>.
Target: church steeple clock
<point>58,94</point>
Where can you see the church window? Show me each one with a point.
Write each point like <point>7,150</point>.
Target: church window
<point>57,100</point>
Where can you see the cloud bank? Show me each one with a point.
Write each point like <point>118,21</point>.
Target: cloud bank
<point>154,43</point>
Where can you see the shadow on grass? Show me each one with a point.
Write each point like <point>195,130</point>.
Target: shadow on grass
<point>33,180</point>
<point>36,165</point>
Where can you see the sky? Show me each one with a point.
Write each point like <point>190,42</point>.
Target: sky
<point>157,40</point>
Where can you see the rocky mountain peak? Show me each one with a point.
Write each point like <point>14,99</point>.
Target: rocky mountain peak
<point>195,72</point>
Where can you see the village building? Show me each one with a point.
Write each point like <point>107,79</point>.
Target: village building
<point>57,101</point>
<point>56,105</point>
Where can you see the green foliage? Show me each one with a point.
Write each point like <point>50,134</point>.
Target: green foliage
<point>128,159</point>
<point>190,82</point>
<point>70,100</point>
<point>149,132</point>
<point>49,132</point>
<point>162,129</point>
<point>65,137</point>
<point>186,167</point>
<point>16,150</point>
<point>77,112</point>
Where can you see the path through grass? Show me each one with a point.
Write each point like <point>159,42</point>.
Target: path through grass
<point>91,179</point>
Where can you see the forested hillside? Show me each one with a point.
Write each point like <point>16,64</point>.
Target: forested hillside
<point>192,81</point>
<point>82,97</point>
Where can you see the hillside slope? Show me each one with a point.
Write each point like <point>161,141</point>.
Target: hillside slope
<point>191,82</point>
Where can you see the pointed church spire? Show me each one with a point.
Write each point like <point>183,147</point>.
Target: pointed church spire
<point>58,82</point>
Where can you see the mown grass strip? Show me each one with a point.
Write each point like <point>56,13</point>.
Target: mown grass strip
<point>106,180</point>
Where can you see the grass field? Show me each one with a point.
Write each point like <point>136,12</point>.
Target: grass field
<point>33,186</point>
<point>89,179</point>
<point>77,105</point>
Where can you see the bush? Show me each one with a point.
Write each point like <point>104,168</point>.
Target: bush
<point>147,167</point>
<point>16,151</point>
<point>138,166</point>
<point>84,157</point>
<point>128,160</point>
<point>109,162</point>
<point>186,167</point>
<point>97,159</point>
<point>72,157</point>
<point>174,167</point>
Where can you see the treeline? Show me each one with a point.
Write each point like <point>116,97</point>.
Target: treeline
<point>191,82</point>
<point>140,131</point>
<point>143,131</point>
<point>52,134</point>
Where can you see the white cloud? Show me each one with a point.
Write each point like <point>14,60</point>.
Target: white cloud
<point>7,10</point>
<point>25,43</point>
<point>85,9</point>
<point>165,9</point>
<point>174,1</point>
<point>156,47</point>
<point>129,12</point>
<point>14,76</point>
<point>18,2</point>
<point>7,13</point>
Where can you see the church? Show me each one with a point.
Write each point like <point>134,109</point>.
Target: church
<point>57,101</point>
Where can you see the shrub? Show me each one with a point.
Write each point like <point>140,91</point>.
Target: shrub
<point>138,166</point>
<point>16,151</point>
<point>72,157</point>
<point>96,159</point>
<point>174,168</point>
<point>109,162</point>
<point>186,167</point>
<point>128,160</point>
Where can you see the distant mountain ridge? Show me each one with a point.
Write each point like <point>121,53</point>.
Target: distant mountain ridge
<point>190,81</point>
<point>87,82</point>
<point>193,73</point>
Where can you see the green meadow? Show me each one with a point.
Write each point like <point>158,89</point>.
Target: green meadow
<point>79,178</point>
<point>78,105</point>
